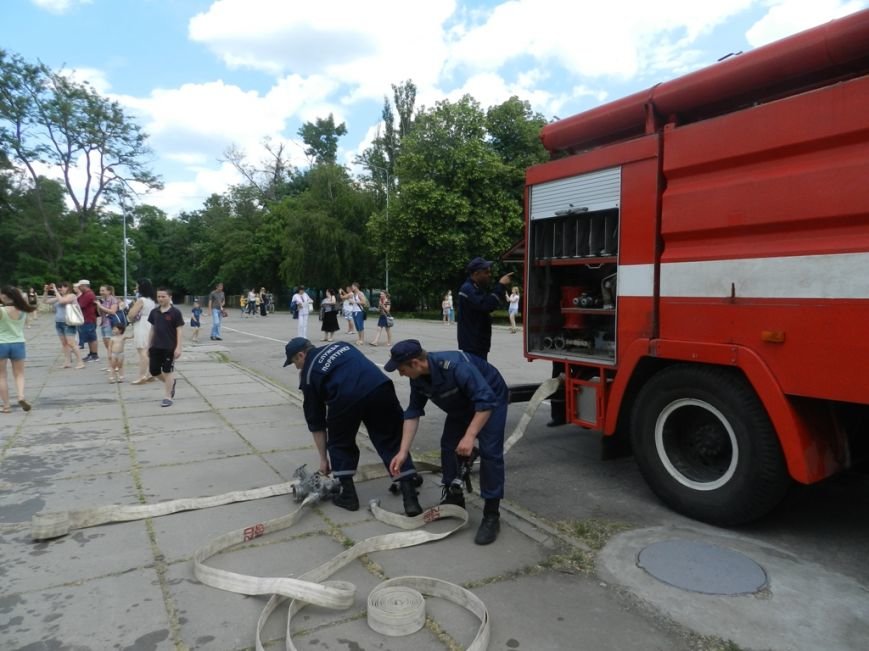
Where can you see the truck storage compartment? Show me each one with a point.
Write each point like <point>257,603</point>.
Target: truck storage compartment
<point>572,275</point>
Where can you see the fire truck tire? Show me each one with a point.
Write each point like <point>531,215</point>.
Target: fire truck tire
<point>706,447</point>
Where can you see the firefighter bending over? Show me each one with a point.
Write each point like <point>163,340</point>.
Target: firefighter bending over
<point>342,388</point>
<point>474,395</point>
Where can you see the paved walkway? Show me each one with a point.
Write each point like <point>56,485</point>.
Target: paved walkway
<point>130,586</point>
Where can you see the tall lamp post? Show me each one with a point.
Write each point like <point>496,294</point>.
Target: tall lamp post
<point>124,222</point>
<point>124,217</point>
<point>123,227</point>
<point>386,253</point>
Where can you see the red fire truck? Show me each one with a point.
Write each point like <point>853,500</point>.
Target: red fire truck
<point>697,265</point>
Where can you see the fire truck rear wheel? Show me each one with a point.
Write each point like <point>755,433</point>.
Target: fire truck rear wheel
<point>706,447</point>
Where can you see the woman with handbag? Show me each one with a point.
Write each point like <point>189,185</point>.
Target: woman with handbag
<point>329,311</point>
<point>13,312</point>
<point>65,305</point>
<point>138,315</point>
<point>385,320</point>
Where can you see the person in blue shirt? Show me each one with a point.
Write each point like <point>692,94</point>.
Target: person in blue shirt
<point>474,395</point>
<point>476,304</point>
<point>342,388</point>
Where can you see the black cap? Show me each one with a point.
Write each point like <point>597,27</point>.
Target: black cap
<point>478,263</point>
<point>402,352</point>
<point>295,345</point>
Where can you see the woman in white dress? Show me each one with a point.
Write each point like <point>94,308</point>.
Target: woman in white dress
<point>513,308</point>
<point>138,315</point>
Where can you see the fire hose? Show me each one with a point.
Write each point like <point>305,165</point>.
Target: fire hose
<point>395,607</point>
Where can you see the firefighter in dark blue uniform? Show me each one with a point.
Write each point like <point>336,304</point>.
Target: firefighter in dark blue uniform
<point>476,304</point>
<point>474,395</point>
<point>342,388</point>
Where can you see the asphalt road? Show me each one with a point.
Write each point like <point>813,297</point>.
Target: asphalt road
<point>557,473</point>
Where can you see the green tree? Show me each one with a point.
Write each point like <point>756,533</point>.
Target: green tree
<point>324,241</point>
<point>48,119</point>
<point>455,200</point>
<point>514,133</point>
<point>321,136</point>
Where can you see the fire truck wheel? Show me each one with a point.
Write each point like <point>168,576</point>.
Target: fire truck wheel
<point>706,447</point>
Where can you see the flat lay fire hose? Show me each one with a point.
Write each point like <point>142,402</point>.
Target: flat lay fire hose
<point>395,607</point>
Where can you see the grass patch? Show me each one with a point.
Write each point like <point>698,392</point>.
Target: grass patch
<point>594,532</point>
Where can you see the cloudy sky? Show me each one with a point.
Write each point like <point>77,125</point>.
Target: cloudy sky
<point>201,75</point>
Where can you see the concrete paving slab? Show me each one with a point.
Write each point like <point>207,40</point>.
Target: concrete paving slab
<point>90,413</point>
<point>238,414</point>
<point>262,398</point>
<point>231,378</point>
<point>44,463</point>
<point>239,389</point>
<point>286,463</point>
<point>117,612</point>
<point>194,445</point>
<point>184,404</point>
<point>772,619</point>
<point>180,534</point>
<point>58,434</point>
<point>166,420</point>
<point>98,551</point>
<point>558,607</point>
<point>277,436</point>
<point>25,500</point>
<point>204,478</point>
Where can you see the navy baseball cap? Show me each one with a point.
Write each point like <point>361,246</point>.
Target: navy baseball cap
<point>402,352</point>
<point>478,263</point>
<point>295,345</point>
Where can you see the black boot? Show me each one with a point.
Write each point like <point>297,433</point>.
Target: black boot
<point>409,497</point>
<point>347,498</point>
<point>491,523</point>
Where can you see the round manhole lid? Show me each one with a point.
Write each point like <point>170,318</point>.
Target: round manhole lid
<point>702,567</point>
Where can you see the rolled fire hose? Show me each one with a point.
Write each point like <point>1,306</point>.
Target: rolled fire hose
<point>395,607</point>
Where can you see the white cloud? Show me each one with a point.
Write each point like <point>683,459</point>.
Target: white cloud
<point>366,45</point>
<point>588,39</point>
<point>59,6</point>
<point>177,196</point>
<point>96,78</point>
<point>786,17</point>
<point>489,89</point>
<point>194,124</point>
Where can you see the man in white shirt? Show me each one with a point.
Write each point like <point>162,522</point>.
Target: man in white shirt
<point>303,304</point>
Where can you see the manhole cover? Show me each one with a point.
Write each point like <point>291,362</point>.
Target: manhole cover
<point>701,567</point>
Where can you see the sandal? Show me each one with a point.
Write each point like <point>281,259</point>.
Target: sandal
<point>141,380</point>
<point>5,410</point>
<point>24,405</point>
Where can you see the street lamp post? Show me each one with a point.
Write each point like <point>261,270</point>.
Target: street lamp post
<point>124,220</point>
<point>123,228</point>
<point>386,253</point>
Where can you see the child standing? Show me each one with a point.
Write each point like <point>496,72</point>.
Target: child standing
<point>116,352</point>
<point>195,320</point>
